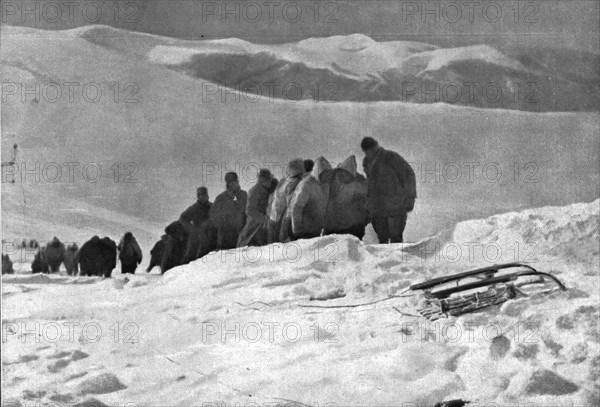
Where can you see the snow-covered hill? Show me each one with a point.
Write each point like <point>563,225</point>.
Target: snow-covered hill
<point>156,135</point>
<point>234,328</point>
<point>359,69</point>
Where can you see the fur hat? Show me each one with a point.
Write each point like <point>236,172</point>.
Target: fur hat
<point>295,167</point>
<point>309,165</point>
<point>321,167</point>
<point>367,143</point>
<point>264,175</point>
<point>349,164</point>
<point>230,177</point>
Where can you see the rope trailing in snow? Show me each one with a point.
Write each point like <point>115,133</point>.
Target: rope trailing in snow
<point>356,305</point>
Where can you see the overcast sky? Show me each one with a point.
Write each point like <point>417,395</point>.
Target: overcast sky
<point>548,22</point>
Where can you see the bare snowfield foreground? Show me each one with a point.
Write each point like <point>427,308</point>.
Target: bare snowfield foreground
<point>234,328</point>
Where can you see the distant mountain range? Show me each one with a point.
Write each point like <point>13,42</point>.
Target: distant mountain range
<point>357,68</point>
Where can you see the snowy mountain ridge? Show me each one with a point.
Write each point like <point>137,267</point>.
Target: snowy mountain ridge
<point>365,70</point>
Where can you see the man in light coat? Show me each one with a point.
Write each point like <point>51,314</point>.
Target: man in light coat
<point>277,208</point>
<point>308,205</point>
<point>347,205</point>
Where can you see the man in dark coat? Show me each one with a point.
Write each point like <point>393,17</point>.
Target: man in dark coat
<point>108,259</point>
<point>391,190</point>
<point>7,265</point>
<point>98,257</point>
<point>156,254</point>
<point>88,253</point>
<point>55,254</point>
<point>39,264</point>
<point>130,253</point>
<point>71,263</point>
<point>255,230</point>
<point>278,201</point>
<point>175,243</point>
<point>192,219</point>
<point>229,212</point>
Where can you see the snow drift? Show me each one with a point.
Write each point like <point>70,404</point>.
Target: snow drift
<point>239,327</point>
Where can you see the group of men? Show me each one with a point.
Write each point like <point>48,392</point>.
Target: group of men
<point>96,257</point>
<point>313,199</point>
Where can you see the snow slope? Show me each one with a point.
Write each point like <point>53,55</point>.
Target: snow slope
<point>366,70</point>
<point>470,162</point>
<point>362,69</point>
<point>233,327</point>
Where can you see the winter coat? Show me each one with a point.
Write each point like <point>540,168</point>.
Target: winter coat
<point>208,236</point>
<point>347,204</point>
<point>175,241</point>
<point>255,230</point>
<point>285,189</point>
<point>7,265</point>
<point>39,264</point>
<point>98,257</point>
<point>391,184</point>
<point>196,214</point>
<point>280,199</point>
<point>129,251</point>
<point>71,263</point>
<point>229,216</point>
<point>156,253</point>
<point>55,254</point>
<point>309,202</point>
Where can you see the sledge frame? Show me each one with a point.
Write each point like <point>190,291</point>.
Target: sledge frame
<point>501,288</point>
<point>487,275</point>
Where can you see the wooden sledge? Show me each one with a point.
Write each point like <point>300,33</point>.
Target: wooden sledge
<point>442,301</point>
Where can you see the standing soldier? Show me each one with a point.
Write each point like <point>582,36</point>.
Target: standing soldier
<point>55,254</point>
<point>255,231</point>
<point>71,263</point>
<point>229,212</point>
<point>192,220</point>
<point>308,205</point>
<point>130,253</point>
<point>391,190</point>
<point>279,201</point>
<point>347,205</point>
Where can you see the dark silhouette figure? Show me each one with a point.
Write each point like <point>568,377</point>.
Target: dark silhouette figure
<point>55,254</point>
<point>39,264</point>
<point>193,220</point>
<point>228,212</point>
<point>71,263</point>
<point>7,265</point>
<point>98,257</point>
<point>156,254</point>
<point>130,253</point>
